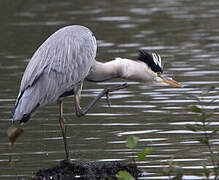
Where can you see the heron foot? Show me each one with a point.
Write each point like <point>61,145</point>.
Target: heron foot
<point>81,112</point>
<point>111,89</point>
<point>108,99</point>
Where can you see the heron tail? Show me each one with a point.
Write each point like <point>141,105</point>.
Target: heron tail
<point>25,106</point>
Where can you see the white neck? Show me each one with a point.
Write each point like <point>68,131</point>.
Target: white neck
<point>120,68</point>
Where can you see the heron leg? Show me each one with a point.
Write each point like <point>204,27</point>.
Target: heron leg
<point>82,111</point>
<point>63,128</point>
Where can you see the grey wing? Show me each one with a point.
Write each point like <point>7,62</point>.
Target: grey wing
<point>63,60</point>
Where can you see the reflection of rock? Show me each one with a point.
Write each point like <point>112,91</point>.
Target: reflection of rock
<point>85,171</point>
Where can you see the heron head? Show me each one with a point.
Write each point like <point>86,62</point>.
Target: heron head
<point>153,62</point>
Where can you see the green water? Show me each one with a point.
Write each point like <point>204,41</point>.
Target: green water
<point>184,32</point>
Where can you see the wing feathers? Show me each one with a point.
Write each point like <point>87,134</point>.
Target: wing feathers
<point>63,60</point>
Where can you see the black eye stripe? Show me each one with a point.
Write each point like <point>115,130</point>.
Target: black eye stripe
<point>152,60</point>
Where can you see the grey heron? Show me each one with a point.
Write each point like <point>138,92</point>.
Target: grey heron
<point>67,58</point>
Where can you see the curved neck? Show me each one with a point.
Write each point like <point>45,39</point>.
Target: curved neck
<point>119,68</point>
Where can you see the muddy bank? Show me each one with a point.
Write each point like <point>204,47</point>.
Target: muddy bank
<point>85,171</point>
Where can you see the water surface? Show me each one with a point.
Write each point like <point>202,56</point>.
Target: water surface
<point>185,33</point>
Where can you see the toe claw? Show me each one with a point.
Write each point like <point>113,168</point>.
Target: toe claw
<point>108,99</point>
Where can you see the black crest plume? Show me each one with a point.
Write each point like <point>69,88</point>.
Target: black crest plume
<point>152,60</point>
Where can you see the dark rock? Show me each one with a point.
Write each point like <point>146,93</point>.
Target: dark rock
<point>67,170</point>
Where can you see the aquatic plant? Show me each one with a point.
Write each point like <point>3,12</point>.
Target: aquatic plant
<point>205,118</point>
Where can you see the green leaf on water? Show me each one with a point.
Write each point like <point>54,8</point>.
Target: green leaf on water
<point>214,132</point>
<point>124,175</point>
<point>132,142</point>
<point>206,171</point>
<point>211,88</point>
<point>206,91</point>
<point>143,154</point>
<point>179,176</point>
<point>191,127</point>
<point>204,140</point>
<point>196,109</point>
<point>217,170</point>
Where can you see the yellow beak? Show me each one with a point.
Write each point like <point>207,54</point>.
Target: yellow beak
<point>170,81</point>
